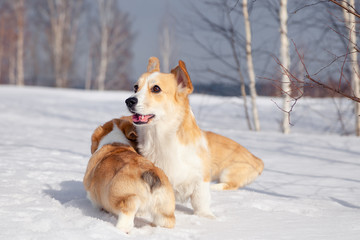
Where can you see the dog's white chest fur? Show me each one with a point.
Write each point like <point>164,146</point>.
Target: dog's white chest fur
<point>180,162</point>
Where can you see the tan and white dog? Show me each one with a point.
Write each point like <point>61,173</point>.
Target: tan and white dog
<point>123,182</point>
<point>169,136</point>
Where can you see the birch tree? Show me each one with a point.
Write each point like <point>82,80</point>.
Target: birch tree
<point>19,8</point>
<point>2,37</point>
<point>114,40</point>
<point>232,41</point>
<point>231,58</point>
<point>104,8</point>
<point>350,23</point>
<point>344,87</point>
<point>12,65</point>
<point>61,19</point>
<point>9,40</point>
<point>57,15</point>
<point>285,61</point>
<point>12,23</point>
<point>167,42</point>
<point>250,65</point>
<point>89,70</point>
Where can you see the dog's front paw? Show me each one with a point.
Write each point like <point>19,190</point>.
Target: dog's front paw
<point>206,214</point>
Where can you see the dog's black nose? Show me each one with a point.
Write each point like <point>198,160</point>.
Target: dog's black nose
<point>131,102</point>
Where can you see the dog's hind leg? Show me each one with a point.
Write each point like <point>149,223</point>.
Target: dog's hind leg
<point>236,176</point>
<point>128,206</point>
<point>164,208</point>
<point>164,220</point>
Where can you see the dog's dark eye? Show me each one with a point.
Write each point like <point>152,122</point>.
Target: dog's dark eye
<point>156,89</point>
<point>136,88</point>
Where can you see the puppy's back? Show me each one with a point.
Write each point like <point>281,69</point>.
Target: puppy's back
<point>117,176</point>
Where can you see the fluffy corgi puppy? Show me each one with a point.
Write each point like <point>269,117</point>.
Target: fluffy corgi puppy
<point>124,183</point>
<point>168,134</point>
<point>231,164</point>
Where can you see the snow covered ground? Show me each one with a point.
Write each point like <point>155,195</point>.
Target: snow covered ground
<point>310,188</point>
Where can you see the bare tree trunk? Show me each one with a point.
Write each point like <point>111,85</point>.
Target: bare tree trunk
<point>238,68</point>
<point>57,20</point>
<point>64,17</point>
<point>165,48</point>
<point>103,8</point>
<point>89,71</point>
<point>285,61</point>
<point>72,21</point>
<point>111,51</point>
<point>12,63</point>
<point>35,61</point>
<point>355,73</point>
<point>251,71</point>
<point>20,12</point>
<point>1,47</point>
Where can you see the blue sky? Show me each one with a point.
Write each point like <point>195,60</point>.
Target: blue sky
<point>147,16</point>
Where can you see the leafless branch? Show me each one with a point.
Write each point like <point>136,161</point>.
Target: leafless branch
<point>319,83</point>
<point>309,5</point>
<point>350,9</point>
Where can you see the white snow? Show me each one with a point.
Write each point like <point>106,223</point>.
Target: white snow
<point>310,188</point>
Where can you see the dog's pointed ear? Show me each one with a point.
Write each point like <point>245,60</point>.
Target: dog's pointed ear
<point>95,138</point>
<point>153,65</point>
<point>182,77</point>
<point>130,133</point>
<point>128,128</point>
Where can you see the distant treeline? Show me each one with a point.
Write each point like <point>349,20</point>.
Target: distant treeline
<point>81,44</point>
<point>266,89</point>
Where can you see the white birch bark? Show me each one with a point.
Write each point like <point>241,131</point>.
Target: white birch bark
<point>238,68</point>
<point>165,48</point>
<point>12,63</point>
<point>64,17</point>
<point>285,61</point>
<point>250,65</point>
<point>20,11</point>
<point>89,71</point>
<point>72,22</point>
<point>57,21</point>
<point>103,5</point>
<point>350,22</point>
<point>1,46</point>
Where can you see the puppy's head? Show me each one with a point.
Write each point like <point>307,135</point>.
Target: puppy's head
<point>158,96</point>
<point>115,131</point>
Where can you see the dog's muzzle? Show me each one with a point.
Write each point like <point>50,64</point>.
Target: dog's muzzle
<point>131,103</point>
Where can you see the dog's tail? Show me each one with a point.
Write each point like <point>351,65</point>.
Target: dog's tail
<point>152,179</point>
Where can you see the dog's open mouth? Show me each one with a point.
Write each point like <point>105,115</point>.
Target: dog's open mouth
<point>142,119</point>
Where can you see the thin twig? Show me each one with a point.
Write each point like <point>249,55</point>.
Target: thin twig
<point>323,85</point>
<point>332,61</point>
<point>346,8</point>
<point>308,5</point>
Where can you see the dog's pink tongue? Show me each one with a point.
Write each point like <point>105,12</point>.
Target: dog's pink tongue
<point>140,118</point>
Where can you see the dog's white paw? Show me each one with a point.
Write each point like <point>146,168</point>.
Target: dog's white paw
<point>218,186</point>
<point>206,214</point>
